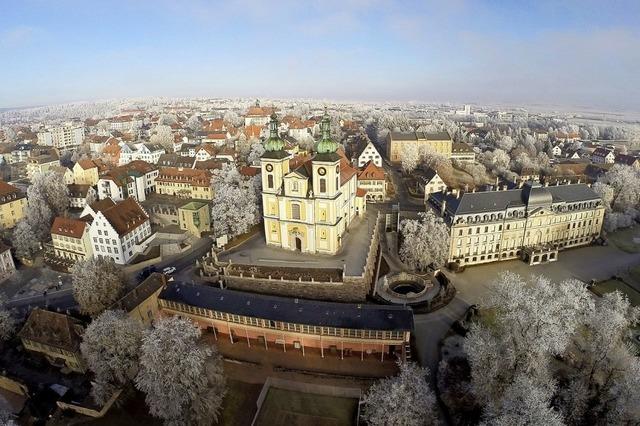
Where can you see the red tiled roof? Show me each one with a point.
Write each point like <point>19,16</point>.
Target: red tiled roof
<point>125,216</point>
<point>371,172</point>
<point>68,227</point>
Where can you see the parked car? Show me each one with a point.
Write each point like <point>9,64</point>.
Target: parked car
<point>169,270</point>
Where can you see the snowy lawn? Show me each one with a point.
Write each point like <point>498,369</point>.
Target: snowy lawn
<point>627,240</point>
<point>609,286</point>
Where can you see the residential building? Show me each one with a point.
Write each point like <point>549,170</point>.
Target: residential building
<point>79,194</point>
<point>603,156</point>
<point>136,179</point>
<point>185,183</point>
<point>372,179</point>
<point>65,173</point>
<point>175,160</point>
<point>439,143</point>
<point>70,238</point>
<point>257,115</point>
<point>124,123</point>
<point>7,267</point>
<point>21,152</point>
<point>294,325</point>
<point>627,160</point>
<point>119,230</point>
<point>55,336</point>
<point>146,152</point>
<point>216,138</point>
<point>87,172</point>
<point>62,136</point>
<point>141,303</point>
<point>556,150</point>
<point>310,207</point>
<point>41,164</point>
<point>205,152</point>
<point>13,203</point>
<point>429,182</point>
<point>367,152</point>
<point>195,217</point>
<point>462,152</point>
<point>532,223</point>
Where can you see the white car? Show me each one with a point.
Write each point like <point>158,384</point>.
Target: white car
<point>169,270</point>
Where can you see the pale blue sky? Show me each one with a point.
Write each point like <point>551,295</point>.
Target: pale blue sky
<point>580,53</point>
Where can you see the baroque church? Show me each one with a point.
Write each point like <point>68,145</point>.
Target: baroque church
<point>309,208</point>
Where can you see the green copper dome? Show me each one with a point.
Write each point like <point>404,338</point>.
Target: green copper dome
<point>274,143</point>
<point>326,144</point>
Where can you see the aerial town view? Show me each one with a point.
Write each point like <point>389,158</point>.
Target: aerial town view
<point>303,213</point>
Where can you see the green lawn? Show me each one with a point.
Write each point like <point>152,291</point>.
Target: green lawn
<point>623,239</point>
<point>612,285</point>
<point>290,408</point>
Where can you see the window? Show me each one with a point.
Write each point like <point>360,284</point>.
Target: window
<point>294,186</point>
<point>295,211</point>
<point>323,185</point>
<point>270,181</point>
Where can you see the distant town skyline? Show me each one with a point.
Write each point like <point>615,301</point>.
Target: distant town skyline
<point>568,53</point>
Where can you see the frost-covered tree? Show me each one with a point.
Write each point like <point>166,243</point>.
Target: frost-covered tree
<point>7,322</point>
<point>235,203</point>
<point>257,149</point>
<point>524,402</point>
<point>111,347</point>
<point>103,125</point>
<point>97,283</point>
<point>233,118</point>
<point>163,135</point>
<point>167,119</point>
<point>25,239</point>
<point>425,242</point>
<point>48,188</point>
<point>193,123</point>
<point>410,157</point>
<point>505,143</point>
<point>603,373</point>
<point>620,192</point>
<point>10,135</point>
<point>182,379</point>
<point>534,321</point>
<point>402,400</point>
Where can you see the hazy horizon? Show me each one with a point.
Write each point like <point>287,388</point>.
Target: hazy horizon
<point>562,54</point>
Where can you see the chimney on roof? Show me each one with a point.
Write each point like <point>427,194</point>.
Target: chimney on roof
<point>443,208</point>
<point>578,180</point>
<point>546,183</point>
<point>515,178</point>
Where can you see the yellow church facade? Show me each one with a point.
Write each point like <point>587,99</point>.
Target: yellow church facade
<point>309,208</point>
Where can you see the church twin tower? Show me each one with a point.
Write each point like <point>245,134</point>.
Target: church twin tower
<point>309,208</point>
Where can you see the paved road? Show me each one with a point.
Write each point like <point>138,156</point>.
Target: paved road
<point>473,284</point>
<point>58,300</point>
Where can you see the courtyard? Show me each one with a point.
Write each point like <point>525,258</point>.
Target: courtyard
<point>352,255</point>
